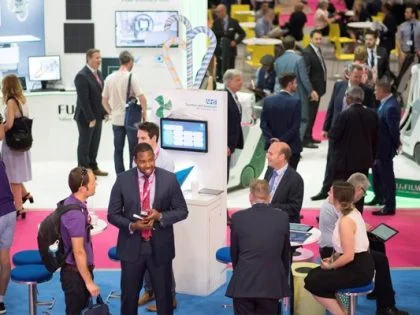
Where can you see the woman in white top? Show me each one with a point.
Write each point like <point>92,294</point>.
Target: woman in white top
<point>321,19</point>
<point>352,265</point>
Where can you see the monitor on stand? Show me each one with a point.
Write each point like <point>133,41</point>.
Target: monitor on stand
<point>44,69</point>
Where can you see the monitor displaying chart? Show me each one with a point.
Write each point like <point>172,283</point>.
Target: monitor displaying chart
<point>184,134</point>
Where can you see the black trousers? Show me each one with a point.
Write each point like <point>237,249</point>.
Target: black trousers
<point>132,274</point>
<point>312,112</point>
<point>344,175</point>
<point>385,295</point>
<point>294,160</point>
<point>384,183</point>
<point>87,149</point>
<point>76,295</point>
<point>248,306</point>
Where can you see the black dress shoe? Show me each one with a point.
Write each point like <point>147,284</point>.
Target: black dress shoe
<point>320,196</point>
<point>98,172</point>
<point>310,145</point>
<point>383,212</point>
<point>315,141</point>
<point>390,311</point>
<point>374,202</point>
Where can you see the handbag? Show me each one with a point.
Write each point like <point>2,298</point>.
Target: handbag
<point>19,137</point>
<point>100,308</point>
<point>132,110</point>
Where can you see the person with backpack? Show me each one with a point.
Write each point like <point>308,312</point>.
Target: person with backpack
<point>7,227</point>
<point>76,274</point>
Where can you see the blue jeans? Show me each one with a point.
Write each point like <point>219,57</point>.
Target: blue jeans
<point>119,140</point>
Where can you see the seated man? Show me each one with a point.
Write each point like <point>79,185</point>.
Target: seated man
<point>385,299</point>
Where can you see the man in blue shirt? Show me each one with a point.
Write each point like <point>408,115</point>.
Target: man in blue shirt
<point>76,274</point>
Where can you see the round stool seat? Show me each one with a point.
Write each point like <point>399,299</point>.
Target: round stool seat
<point>112,253</point>
<point>31,273</point>
<point>27,257</point>
<point>364,289</point>
<point>223,255</point>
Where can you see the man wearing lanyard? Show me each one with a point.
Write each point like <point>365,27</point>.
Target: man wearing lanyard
<point>145,202</point>
<point>148,132</point>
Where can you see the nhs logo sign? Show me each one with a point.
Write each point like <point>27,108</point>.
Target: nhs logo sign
<point>211,101</point>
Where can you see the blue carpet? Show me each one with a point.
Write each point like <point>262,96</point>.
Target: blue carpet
<point>406,285</point>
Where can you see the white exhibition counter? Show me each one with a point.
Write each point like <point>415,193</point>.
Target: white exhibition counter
<point>55,131</point>
<point>196,241</point>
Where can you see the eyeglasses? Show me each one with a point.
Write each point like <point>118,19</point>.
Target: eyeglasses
<point>364,191</point>
<point>83,173</point>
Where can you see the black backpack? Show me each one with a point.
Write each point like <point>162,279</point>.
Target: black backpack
<point>50,244</point>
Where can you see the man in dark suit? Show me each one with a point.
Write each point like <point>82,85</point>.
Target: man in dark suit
<point>89,111</point>
<point>388,144</point>
<point>145,202</point>
<point>233,83</point>
<point>280,118</point>
<point>286,185</point>
<point>335,107</point>
<point>317,72</point>
<point>229,34</point>
<point>353,139</point>
<point>378,58</point>
<point>260,251</point>
<point>388,37</point>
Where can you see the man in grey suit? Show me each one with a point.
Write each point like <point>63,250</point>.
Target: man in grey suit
<point>291,62</point>
<point>145,202</point>
<point>260,255</point>
<point>286,185</point>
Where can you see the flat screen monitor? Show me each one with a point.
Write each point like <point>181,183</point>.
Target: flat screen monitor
<point>143,28</point>
<point>184,134</point>
<point>44,68</point>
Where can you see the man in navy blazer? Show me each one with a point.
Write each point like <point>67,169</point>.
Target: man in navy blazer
<point>146,240</point>
<point>389,113</point>
<point>260,251</point>
<point>233,83</point>
<point>89,112</point>
<point>336,105</point>
<point>280,118</point>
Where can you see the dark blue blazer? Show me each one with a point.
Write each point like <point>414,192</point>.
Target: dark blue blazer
<point>125,201</point>
<point>280,118</point>
<point>235,135</point>
<point>260,251</point>
<point>89,97</point>
<point>389,129</point>
<point>336,102</point>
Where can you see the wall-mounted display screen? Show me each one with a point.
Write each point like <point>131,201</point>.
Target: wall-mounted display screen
<point>143,28</point>
<point>44,68</point>
<point>184,134</point>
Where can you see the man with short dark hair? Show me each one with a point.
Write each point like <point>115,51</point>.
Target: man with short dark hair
<point>286,185</point>
<point>76,274</point>
<point>89,112</point>
<point>260,251</point>
<point>291,62</point>
<point>389,113</point>
<point>145,203</point>
<point>378,58</point>
<point>280,118</point>
<point>317,72</point>
<point>114,100</point>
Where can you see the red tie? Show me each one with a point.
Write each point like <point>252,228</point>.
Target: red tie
<point>95,73</point>
<point>145,206</point>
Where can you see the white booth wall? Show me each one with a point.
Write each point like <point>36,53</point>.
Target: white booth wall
<point>152,75</point>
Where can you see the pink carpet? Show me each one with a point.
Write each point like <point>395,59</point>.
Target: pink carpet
<point>402,250</point>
